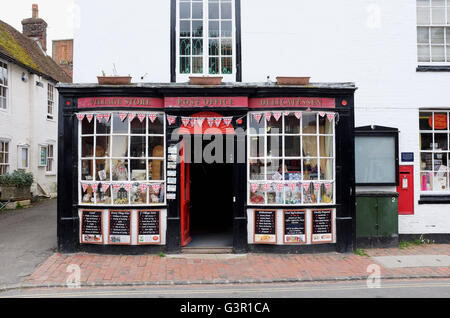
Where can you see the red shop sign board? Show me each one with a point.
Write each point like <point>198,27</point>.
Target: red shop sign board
<point>212,102</point>
<point>287,102</point>
<point>133,102</point>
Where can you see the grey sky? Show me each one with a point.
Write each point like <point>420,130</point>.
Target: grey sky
<point>59,16</point>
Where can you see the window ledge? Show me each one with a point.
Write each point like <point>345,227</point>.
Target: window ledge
<point>433,68</point>
<point>434,199</point>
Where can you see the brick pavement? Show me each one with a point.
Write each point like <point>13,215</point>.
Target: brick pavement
<point>110,270</point>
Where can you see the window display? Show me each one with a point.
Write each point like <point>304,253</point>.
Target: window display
<point>434,138</point>
<point>291,160</point>
<point>122,159</point>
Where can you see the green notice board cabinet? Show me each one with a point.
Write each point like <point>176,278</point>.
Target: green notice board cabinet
<point>376,219</point>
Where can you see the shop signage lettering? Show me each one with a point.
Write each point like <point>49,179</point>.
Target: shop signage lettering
<point>149,225</point>
<point>294,227</point>
<point>143,102</point>
<point>311,102</point>
<point>119,227</point>
<point>91,227</point>
<point>322,226</point>
<point>219,102</point>
<point>265,226</point>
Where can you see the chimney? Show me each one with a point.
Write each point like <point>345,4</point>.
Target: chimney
<point>36,28</point>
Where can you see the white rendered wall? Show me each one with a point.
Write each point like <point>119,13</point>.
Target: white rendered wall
<point>371,43</point>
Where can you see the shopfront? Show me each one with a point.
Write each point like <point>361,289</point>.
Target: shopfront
<point>164,167</point>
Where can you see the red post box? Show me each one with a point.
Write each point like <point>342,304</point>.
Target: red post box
<point>406,190</point>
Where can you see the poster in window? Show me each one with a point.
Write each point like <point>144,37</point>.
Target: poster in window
<point>322,226</point>
<point>294,226</point>
<point>149,227</point>
<point>120,227</point>
<point>265,227</point>
<point>91,227</point>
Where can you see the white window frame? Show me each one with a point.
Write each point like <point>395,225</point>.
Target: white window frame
<point>433,152</point>
<point>283,157</point>
<point>5,165</point>
<point>20,149</point>
<point>147,158</point>
<point>50,160</point>
<point>430,26</point>
<point>50,101</point>
<point>4,88</point>
<point>226,77</point>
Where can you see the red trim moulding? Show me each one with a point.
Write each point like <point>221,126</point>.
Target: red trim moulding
<point>132,102</point>
<point>286,102</point>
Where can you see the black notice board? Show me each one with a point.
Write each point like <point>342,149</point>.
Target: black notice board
<point>92,223</point>
<point>265,222</point>
<point>119,223</point>
<point>322,222</point>
<point>149,223</point>
<point>294,222</point>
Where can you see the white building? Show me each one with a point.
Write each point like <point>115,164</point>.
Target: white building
<point>29,104</point>
<point>397,53</point>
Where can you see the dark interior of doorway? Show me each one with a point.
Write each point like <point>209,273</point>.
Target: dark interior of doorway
<point>211,210</point>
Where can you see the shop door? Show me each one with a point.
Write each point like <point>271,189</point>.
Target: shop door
<point>185,200</point>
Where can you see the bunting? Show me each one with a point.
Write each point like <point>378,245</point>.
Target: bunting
<point>268,116</point>
<point>99,117</point>
<point>254,187</point>
<point>171,120</point>
<point>200,121</point>
<point>210,121</point>
<point>141,117</point>
<point>267,187</point>
<point>152,117</point>
<point>292,186</point>
<point>105,187</point>
<point>298,115</point>
<point>107,117</point>
<point>328,186</point>
<point>257,117</point>
<point>322,114</point>
<point>123,116</point>
<point>330,117</point>
<point>227,121</point>
<point>279,187</point>
<point>156,187</point>
<point>306,186</point>
<point>317,187</point>
<point>85,186</point>
<point>277,115</point>
<point>217,121</point>
<point>80,117</point>
<point>131,116</point>
<point>143,187</point>
<point>117,187</point>
<point>94,187</point>
<point>89,117</point>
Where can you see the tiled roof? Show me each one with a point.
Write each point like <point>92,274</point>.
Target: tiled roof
<point>26,52</point>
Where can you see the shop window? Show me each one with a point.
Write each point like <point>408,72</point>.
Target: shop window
<point>122,162</point>
<point>4,157</point>
<point>205,42</point>
<point>291,159</point>
<point>434,138</point>
<point>376,156</point>
<point>3,85</point>
<point>433,31</point>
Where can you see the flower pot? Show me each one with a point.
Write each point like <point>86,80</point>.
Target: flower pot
<point>205,80</point>
<point>293,80</point>
<point>114,80</point>
<point>18,193</point>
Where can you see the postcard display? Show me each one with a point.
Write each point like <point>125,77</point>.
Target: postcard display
<point>302,226</point>
<point>123,227</point>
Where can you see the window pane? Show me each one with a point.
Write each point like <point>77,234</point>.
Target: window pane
<point>326,146</point>
<point>185,46</point>
<point>120,127</point>
<point>227,48</point>
<point>423,35</point>
<point>440,121</point>
<point>293,196</point>
<point>293,169</point>
<point>137,147</point>
<point>226,29</point>
<point>426,141</point>
<point>437,35</point>
<point>227,65</point>
<point>441,141</point>
<point>185,67</point>
<point>156,127</point>
<point>197,28</point>
<point>185,10</point>
<point>103,197</point>
<point>438,15</point>
<point>103,146</point>
<point>197,10</point>
<point>274,146</point>
<point>255,126</point>
<point>292,146</point>
<point>87,147</point>
<point>437,54</point>
<point>274,169</point>
<point>138,194</point>
<point>213,65</point>
<point>309,146</point>
<point>426,161</point>
<point>197,47</point>
<point>104,128</point>
<point>325,126</point>
<point>309,196</point>
<point>138,127</point>
<point>87,128</point>
<point>102,170</point>
<point>257,147</point>
<point>156,147</point>
<point>425,121</point>
<point>213,29</point>
<point>120,146</point>
<point>438,3</point>
<point>213,10</point>
<point>86,170</point>
<point>138,170</point>
<point>120,169</point>
<point>121,197</point>
<point>291,124</point>
<point>309,123</point>
<point>156,170</point>
<point>310,169</point>
<point>214,48</point>
<point>256,169</point>
<point>423,16</point>
<point>185,28</point>
<point>326,169</point>
<point>197,65</point>
<point>226,10</point>
<point>327,194</point>
<point>426,180</point>
<point>274,126</point>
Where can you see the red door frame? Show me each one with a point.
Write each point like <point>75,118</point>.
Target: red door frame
<point>185,200</point>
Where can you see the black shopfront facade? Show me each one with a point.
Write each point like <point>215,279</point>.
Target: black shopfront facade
<point>275,171</point>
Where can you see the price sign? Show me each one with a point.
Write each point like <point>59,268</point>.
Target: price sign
<point>91,227</point>
<point>265,226</point>
<point>120,227</point>
<point>149,227</point>
<point>322,226</point>
<point>294,226</point>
